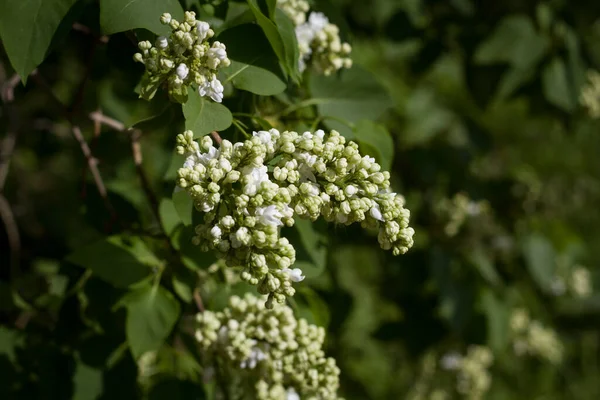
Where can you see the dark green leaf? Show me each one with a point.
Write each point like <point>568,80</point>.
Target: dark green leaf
<point>377,138</point>
<point>481,260</point>
<point>152,312</point>
<point>254,68</point>
<point>541,260</point>
<point>311,247</point>
<point>119,260</point>
<point>271,32</point>
<point>87,382</point>
<point>557,87</point>
<point>498,316</point>
<point>311,306</point>
<point>287,30</point>
<point>203,116</point>
<point>169,217</point>
<point>184,205</point>
<point>514,41</point>
<point>351,97</point>
<point>124,15</point>
<point>27,28</point>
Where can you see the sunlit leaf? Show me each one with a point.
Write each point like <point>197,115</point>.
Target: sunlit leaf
<point>124,15</point>
<point>119,260</point>
<point>152,312</point>
<point>27,28</point>
<point>203,116</point>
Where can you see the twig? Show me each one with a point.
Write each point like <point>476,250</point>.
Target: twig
<point>12,232</point>
<point>6,152</point>
<point>86,30</point>
<point>215,135</point>
<point>91,161</point>
<point>138,158</point>
<point>198,300</point>
<point>93,166</point>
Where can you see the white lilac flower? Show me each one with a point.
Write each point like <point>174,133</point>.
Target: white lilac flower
<point>252,189</point>
<point>161,42</point>
<point>213,89</point>
<point>291,394</point>
<point>203,29</point>
<point>269,215</point>
<point>319,43</point>
<point>451,361</point>
<point>261,349</point>
<point>294,274</point>
<point>182,71</point>
<point>182,59</point>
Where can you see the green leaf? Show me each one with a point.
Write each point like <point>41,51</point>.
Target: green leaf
<point>556,86</point>
<point>498,317</point>
<point>378,141</point>
<point>119,260</point>
<point>311,306</point>
<point>540,258</point>
<point>184,206</point>
<point>271,32</point>
<point>27,28</point>
<point>351,97</point>
<point>9,340</point>
<point>87,382</point>
<point>124,15</point>
<point>182,287</point>
<point>152,312</point>
<point>481,260</point>
<point>254,68</point>
<point>287,30</point>
<point>311,246</point>
<point>169,217</point>
<point>203,116</point>
<point>514,41</point>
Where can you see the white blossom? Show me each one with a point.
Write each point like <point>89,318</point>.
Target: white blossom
<point>294,274</point>
<point>269,216</point>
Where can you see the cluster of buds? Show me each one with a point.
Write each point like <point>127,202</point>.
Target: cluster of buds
<point>458,210</point>
<point>266,354</point>
<point>249,190</point>
<point>319,40</point>
<point>532,338</point>
<point>183,59</point>
<point>572,280</point>
<point>473,377</point>
<point>590,94</point>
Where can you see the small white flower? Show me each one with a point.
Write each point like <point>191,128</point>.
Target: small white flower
<point>216,231</point>
<point>291,394</point>
<point>213,89</point>
<point>451,361</point>
<point>350,190</point>
<point>294,274</point>
<point>165,18</point>
<point>190,161</point>
<point>376,212</point>
<point>162,42</point>
<point>182,71</point>
<point>264,136</point>
<point>317,21</point>
<point>255,357</point>
<point>254,178</point>
<point>269,215</point>
<point>202,28</point>
<point>204,158</point>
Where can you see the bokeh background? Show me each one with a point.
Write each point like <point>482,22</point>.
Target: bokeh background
<point>497,156</point>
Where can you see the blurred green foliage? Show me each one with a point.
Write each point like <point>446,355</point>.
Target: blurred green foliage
<point>473,107</point>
